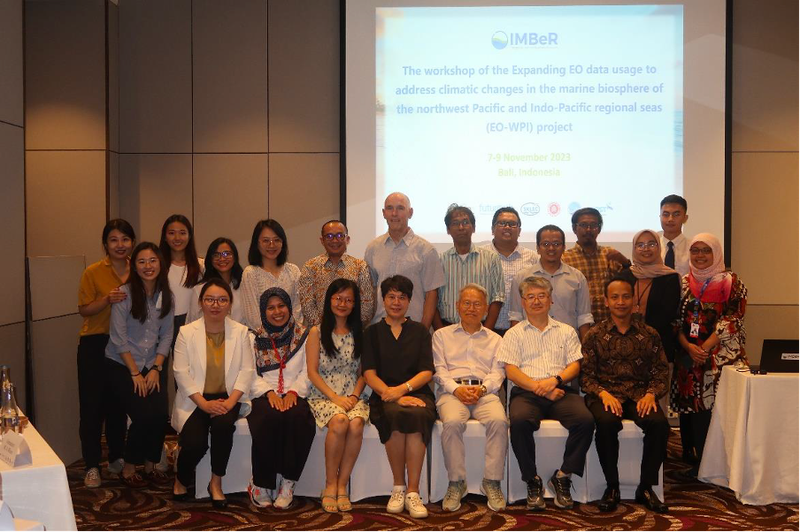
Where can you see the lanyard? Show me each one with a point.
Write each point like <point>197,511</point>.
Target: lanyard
<point>699,303</point>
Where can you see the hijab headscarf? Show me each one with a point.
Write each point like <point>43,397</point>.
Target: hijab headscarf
<point>656,268</point>
<point>278,343</point>
<point>719,281</point>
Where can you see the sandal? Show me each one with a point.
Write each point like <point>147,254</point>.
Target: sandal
<point>133,481</point>
<point>330,507</point>
<point>343,503</point>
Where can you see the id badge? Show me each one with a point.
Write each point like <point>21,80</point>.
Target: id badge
<point>694,330</point>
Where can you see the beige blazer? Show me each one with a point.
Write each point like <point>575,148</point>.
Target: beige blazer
<point>189,366</point>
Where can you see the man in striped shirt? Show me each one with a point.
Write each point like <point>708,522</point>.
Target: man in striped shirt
<point>465,263</point>
<point>540,356</point>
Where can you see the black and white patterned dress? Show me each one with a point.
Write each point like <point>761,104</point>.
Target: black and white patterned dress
<point>340,373</point>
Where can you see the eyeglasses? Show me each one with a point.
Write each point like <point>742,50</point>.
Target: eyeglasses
<point>222,255</point>
<point>700,251</point>
<point>472,304</point>
<point>460,223</point>
<point>334,236</point>
<point>271,241</point>
<point>554,245</point>
<point>589,226</point>
<point>218,301</point>
<point>346,300</point>
<point>646,245</point>
<point>508,223</point>
<point>542,296</point>
<point>397,297</point>
<point>147,262</point>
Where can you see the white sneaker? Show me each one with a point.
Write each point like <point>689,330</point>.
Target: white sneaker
<point>259,496</point>
<point>116,466</point>
<point>285,494</point>
<point>414,506</point>
<point>397,500</point>
<point>92,478</point>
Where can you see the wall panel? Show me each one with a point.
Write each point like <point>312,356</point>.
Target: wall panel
<point>155,76</point>
<point>12,217</point>
<point>768,321</point>
<point>65,75</point>
<point>303,76</point>
<point>12,338</point>
<point>229,53</point>
<point>153,187</point>
<point>11,61</point>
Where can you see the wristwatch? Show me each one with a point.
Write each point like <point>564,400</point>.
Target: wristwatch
<point>408,385</point>
<point>483,390</point>
<point>559,379</point>
<point>158,367</point>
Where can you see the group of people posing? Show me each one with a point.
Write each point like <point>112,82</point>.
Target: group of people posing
<point>292,349</point>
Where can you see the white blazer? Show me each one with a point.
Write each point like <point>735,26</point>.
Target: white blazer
<point>189,366</point>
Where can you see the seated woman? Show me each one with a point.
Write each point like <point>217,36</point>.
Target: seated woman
<point>213,367</point>
<point>140,337</point>
<point>222,262</point>
<point>333,356</point>
<point>398,365</point>
<point>711,336</point>
<point>281,423</point>
<point>657,288</point>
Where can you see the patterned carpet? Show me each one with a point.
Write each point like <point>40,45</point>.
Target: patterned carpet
<point>694,506</point>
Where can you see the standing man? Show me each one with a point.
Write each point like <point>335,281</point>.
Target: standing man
<point>401,252</point>
<point>541,354</point>
<point>674,245</point>
<point>469,375</point>
<point>597,263</point>
<point>465,263</point>
<point>506,228</point>
<point>318,273</point>
<point>624,373</point>
<point>572,302</point>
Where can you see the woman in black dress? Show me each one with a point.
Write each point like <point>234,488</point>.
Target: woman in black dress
<point>397,363</point>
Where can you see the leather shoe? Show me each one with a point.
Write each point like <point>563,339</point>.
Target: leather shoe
<point>219,504</point>
<point>610,500</point>
<point>647,497</point>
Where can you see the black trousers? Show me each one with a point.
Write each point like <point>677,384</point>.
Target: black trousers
<point>281,441</point>
<point>526,412</point>
<point>656,434</point>
<point>694,431</point>
<point>148,415</point>
<point>194,440</point>
<point>97,405</point>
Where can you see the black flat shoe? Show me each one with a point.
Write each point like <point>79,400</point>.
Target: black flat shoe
<point>648,498</point>
<point>610,500</point>
<point>219,504</point>
<point>180,497</point>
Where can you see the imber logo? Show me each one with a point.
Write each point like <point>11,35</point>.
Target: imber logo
<point>499,40</point>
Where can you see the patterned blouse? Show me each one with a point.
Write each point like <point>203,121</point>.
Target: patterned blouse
<point>255,280</point>
<point>597,269</point>
<point>694,386</point>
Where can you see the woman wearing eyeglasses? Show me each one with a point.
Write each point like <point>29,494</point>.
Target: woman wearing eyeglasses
<point>214,368</point>
<point>267,256</point>
<point>657,288</point>
<point>222,262</point>
<point>336,399</point>
<point>140,337</point>
<point>710,336</point>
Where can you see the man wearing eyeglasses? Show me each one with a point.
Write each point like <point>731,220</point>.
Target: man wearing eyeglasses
<point>506,228</point>
<point>572,303</point>
<point>318,273</point>
<point>540,356</point>
<point>597,263</point>
<point>466,263</point>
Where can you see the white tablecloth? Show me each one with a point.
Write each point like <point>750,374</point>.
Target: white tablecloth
<point>39,491</point>
<point>752,443</point>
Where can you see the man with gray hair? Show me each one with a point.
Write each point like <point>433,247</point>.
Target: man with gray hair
<point>468,375</point>
<point>540,356</point>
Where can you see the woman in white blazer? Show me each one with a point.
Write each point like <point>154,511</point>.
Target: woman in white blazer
<point>214,367</point>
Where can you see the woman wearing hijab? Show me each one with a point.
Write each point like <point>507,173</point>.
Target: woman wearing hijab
<point>657,290</point>
<point>281,423</point>
<point>711,335</point>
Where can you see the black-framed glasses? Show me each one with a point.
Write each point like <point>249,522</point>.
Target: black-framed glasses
<point>460,223</point>
<point>507,223</point>
<point>219,301</point>
<point>589,226</point>
<point>548,245</point>
<point>334,236</point>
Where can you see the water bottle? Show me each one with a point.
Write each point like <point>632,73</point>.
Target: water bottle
<point>9,415</point>
<point>5,376</point>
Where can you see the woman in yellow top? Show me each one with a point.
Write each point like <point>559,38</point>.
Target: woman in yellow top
<point>99,289</point>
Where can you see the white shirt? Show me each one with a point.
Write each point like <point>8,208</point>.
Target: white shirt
<point>540,354</point>
<point>681,247</point>
<point>181,296</point>
<point>295,377</point>
<point>518,260</point>
<point>572,301</point>
<point>256,280</point>
<point>237,309</point>
<point>458,354</point>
